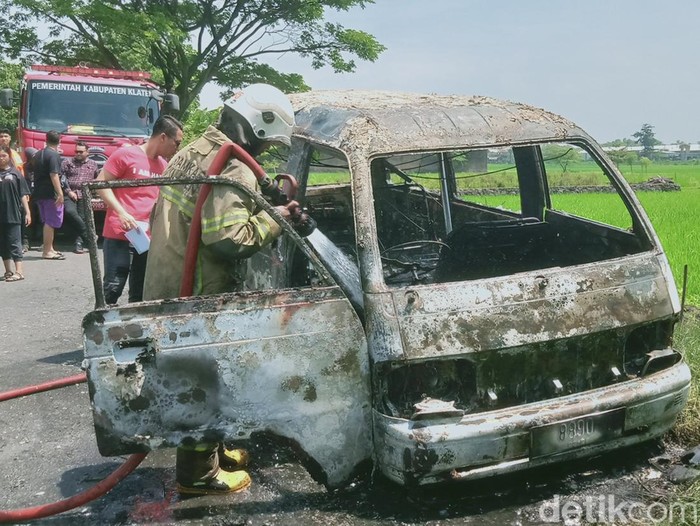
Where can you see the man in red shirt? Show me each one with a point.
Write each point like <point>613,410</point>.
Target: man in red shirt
<point>127,207</point>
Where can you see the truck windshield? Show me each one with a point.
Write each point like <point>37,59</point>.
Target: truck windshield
<point>90,109</point>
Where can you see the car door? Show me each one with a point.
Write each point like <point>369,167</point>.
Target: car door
<point>287,361</point>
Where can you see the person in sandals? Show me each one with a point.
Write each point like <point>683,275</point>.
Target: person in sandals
<point>14,210</point>
<point>234,229</point>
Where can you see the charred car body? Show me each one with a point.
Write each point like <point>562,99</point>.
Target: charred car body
<point>442,335</point>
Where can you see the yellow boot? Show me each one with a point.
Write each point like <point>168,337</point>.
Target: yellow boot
<point>233,459</point>
<point>223,482</point>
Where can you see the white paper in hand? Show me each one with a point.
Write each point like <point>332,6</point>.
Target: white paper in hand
<point>138,237</point>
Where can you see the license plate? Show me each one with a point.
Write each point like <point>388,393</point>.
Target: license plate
<point>566,435</point>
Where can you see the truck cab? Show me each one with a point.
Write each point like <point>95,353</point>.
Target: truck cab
<point>104,108</point>
<point>459,313</point>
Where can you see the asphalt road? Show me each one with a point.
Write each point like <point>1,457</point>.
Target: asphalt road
<point>48,450</point>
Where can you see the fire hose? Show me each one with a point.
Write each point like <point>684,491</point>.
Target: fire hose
<point>96,491</point>
<point>280,191</point>
<point>46,386</point>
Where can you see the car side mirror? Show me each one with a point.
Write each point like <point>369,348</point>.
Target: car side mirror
<point>6,98</point>
<point>172,102</point>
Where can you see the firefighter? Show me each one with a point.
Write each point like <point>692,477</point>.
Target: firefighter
<point>233,229</point>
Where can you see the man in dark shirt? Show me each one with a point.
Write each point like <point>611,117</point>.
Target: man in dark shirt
<point>77,171</point>
<point>48,193</point>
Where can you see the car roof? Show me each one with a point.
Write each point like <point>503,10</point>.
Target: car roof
<point>383,121</point>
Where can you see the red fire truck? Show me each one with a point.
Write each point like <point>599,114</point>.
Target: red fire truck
<point>104,108</point>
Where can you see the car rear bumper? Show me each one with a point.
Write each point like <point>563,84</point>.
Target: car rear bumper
<point>511,439</point>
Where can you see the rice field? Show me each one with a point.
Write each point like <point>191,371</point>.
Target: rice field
<point>676,219</point>
<point>584,173</point>
<point>674,215</point>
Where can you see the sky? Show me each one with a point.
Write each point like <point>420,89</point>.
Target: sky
<point>608,65</point>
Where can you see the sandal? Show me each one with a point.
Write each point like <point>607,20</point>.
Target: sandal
<point>8,274</point>
<point>57,256</point>
<point>15,277</point>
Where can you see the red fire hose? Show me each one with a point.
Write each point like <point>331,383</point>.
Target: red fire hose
<point>93,493</point>
<point>47,386</point>
<point>99,489</point>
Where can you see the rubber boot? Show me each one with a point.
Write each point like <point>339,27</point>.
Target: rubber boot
<point>223,482</point>
<point>232,459</point>
<point>198,471</point>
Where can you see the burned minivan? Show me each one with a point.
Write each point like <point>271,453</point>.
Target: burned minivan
<point>461,311</point>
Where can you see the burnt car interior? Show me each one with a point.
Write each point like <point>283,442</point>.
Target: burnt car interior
<point>434,228</point>
<point>480,382</point>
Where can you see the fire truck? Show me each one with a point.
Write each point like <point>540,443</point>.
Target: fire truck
<point>105,108</point>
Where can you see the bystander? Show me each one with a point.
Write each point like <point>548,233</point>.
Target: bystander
<point>127,207</point>
<point>77,171</point>
<point>14,210</point>
<point>15,157</point>
<point>48,193</point>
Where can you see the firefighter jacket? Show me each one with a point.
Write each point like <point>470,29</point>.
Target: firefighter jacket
<point>227,214</point>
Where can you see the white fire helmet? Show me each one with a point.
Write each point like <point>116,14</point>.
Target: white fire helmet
<point>268,111</point>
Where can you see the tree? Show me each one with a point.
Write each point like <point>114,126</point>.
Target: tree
<point>645,138</point>
<point>10,77</point>
<point>619,156</point>
<point>186,43</point>
<point>620,142</point>
<point>645,162</point>
<point>197,121</point>
<point>562,154</point>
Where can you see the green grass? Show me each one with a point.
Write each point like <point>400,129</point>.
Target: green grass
<point>686,175</point>
<point>687,340</point>
<point>687,429</point>
<point>674,215</point>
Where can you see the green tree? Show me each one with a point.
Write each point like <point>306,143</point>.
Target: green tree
<point>197,121</point>
<point>645,162</point>
<point>562,154</point>
<point>646,139</point>
<point>188,43</point>
<point>10,77</point>
<point>620,142</point>
<point>618,156</point>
